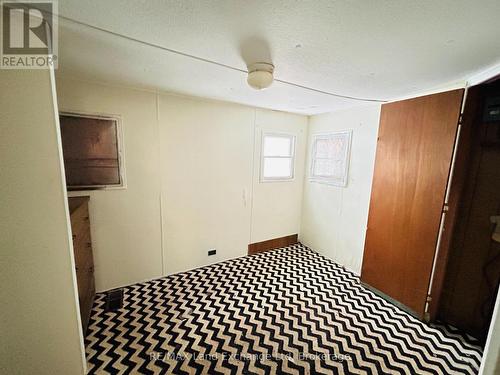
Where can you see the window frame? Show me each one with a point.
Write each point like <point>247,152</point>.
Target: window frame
<point>120,145</point>
<point>293,139</point>
<point>325,179</point>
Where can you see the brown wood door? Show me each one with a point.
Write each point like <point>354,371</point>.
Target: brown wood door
<point>414,153</point>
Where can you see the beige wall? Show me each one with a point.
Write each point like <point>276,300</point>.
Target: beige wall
<point>125,223</point>
<point>192,169</point>
<point>40,330</point>
<point>333,218</point>
<point>277,206</point>
<point>206,165</point>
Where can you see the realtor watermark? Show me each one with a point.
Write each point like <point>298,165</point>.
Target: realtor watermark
<point>260,357</point>
<point>29,34</point>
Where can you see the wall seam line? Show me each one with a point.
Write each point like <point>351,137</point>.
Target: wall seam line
<point>253,174</point>
<point>160,184</point>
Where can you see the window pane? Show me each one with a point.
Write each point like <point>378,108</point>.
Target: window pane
<point>332,147</point>
<point>330,161</point>
<point>328,168</point>
<point>277,167</point>
<point>323,149</point>
<point>277,146</point>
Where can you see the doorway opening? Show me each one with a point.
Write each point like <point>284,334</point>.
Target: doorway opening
<point>470,251</point>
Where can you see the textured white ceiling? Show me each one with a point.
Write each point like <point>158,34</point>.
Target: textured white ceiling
<point>370,49</point>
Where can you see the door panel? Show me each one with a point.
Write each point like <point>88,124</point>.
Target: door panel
<point>414,152</point>
<point>458,183</point>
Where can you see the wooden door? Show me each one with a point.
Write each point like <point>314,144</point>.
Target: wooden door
<point>414,153</point>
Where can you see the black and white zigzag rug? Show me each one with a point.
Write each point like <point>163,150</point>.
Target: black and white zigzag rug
<point>289,311</point>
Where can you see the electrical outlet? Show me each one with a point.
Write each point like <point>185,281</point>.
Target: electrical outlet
<point>212,252</point>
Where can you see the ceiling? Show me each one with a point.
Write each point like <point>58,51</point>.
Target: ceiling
<point>369,49</point>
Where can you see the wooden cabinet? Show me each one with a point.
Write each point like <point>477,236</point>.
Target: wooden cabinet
<point>84,262</point>
<point>90,150</point>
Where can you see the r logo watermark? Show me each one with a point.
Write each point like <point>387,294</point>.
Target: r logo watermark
<point>29,35</point>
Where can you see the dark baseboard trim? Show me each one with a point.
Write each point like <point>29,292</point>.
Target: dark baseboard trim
<point>275,243</point>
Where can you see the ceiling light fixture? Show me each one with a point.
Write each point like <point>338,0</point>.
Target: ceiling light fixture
<point>260,75</point>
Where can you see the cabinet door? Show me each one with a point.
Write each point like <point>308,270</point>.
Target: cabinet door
<point>414,153</point>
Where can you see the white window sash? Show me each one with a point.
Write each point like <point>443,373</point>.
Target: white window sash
<point>330,179</point>
<point>292,138</point>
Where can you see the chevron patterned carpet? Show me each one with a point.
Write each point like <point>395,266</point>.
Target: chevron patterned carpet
<point>289,311</point>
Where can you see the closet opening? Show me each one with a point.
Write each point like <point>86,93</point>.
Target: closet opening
<point>467,272</point>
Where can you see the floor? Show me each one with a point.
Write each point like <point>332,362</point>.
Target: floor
<point>289,310</point>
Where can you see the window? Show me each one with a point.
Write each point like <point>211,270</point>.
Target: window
<point>91,151</point>
<point>330,158</point>
<point>278,152</point>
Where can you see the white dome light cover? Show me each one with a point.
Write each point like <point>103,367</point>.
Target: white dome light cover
<point>260,75</point>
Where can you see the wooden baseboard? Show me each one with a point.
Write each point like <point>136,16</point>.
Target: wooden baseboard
<point>275,243</point>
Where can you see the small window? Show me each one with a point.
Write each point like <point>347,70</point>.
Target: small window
<point>330,158</point>
<point>278,152</point>
<point>91,151</point>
